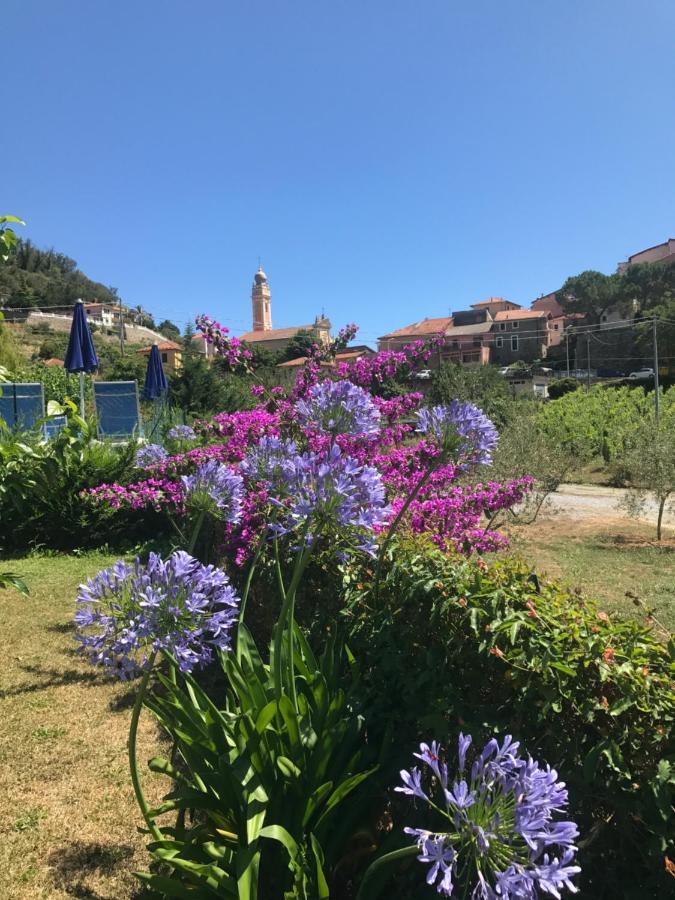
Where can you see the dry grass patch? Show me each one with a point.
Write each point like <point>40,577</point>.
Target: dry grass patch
<point>68,817</point>
<point>614,559</point>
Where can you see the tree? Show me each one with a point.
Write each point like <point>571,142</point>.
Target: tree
<point>650,465</point>
<point>592,293</point>
<point>169,330</point>
<point>480,385</point>
<point>526,449</point>
<point>299,345</point>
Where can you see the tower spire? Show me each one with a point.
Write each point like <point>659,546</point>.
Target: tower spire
<point>261,301</point>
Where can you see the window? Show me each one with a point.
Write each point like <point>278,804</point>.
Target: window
<point>555,326</point>
<point>514,343</point>
<point>165,357</point>
<point>515,324</point>
<point>499,343</point>
<point>502,326</point>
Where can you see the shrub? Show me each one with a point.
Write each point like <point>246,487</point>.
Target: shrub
<point>454,643</point>
<point>40,484</point>
<point>562,386</point>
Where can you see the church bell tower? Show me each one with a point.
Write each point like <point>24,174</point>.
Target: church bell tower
<point>261,299</point>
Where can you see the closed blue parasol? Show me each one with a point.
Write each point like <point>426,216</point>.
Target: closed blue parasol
<point>156,384</point>
<point>81,354</point>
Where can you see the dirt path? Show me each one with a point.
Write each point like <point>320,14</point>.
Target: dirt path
<point>599,504</point>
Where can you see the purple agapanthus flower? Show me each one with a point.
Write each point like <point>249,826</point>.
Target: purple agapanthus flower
<point>181,433</point>
<point>502,837</point>
<point>332,492</point>
<point>128,612</point>
<point>149,455</point>
<point>461,429</point>
<point>216,489</point>
<point>271,461</point>
<point>339,407</point>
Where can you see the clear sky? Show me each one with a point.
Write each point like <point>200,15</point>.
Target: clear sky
<point>386,159</point>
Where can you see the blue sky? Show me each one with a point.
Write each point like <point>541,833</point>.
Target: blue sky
<point>387,160</point>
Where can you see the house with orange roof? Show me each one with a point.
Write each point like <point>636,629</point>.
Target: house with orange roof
<point>170,353</point>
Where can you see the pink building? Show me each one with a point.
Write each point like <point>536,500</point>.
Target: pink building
<point>660,253</point>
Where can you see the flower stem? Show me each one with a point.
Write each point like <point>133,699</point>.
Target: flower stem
<point>195,532</point>
<point>133,762</point>
<point>369,888</point>
<point>395,524</point>
<point>247,588</point>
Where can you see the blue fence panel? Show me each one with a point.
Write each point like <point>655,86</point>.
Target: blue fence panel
<point>117,408</point>
<point>22,405</point>
<point>54,425</point>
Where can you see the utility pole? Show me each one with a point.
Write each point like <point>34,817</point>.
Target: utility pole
<point>588,361</point>
<point>567,349</point>
<point>121,327</point>
<point>657,410</point>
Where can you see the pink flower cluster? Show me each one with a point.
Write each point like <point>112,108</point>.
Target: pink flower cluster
<point>449,512</point>
<point>453,518</point>
<point>230,348</point>
<point>371,371</point>
<point>155,493</point>
<point>238,431</point>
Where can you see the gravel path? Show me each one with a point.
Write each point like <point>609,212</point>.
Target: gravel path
<point>590,501</point>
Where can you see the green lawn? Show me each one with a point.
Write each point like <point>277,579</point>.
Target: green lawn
<point>68,817</point>
<point>620,563</point>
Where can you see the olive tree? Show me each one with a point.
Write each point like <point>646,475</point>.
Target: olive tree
<point>650,467</point>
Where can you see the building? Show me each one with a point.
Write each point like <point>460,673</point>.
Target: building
<point>661,253</point>
<point>493,305</point>
<point>277,339</point>
<point>418,331</point>
<point>170,353</point>
<point>104,314</point>
<point>521,334</point>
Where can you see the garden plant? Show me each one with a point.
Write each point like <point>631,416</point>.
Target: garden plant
<point>276,775</point>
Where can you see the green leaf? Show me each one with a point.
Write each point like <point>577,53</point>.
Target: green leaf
<point>288,767</point>
<point>321,884</point>
<point>561,667</point>
<point>279,833</point>
<point>663,772</point>
<point>621,706</point>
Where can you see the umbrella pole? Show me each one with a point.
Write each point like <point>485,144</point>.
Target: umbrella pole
<point>82,395</point>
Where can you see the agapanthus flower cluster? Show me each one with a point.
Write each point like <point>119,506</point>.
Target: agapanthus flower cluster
<point>230,348</point>
<point>461,429</point>
<point>216,489</point>
<point>181,433</point>
<point>127,613</point>
<point>322,493</point>
<point>500,834</point>
<point>150,455</point>
<point>339,407</point>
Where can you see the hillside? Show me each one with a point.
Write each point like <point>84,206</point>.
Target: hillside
<point>38,278</point>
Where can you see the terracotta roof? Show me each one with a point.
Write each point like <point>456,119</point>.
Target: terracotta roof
<point>53,361</point>
<point>163,345</point>
<point>510,314</point>
<point>476,328</point>
<point>273,334</point>
<point>426,326</point>
<point>491,302</point>
<point>345,356</point>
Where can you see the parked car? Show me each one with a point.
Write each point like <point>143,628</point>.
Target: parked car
<point>423,374</point>
<point>642,374</point>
